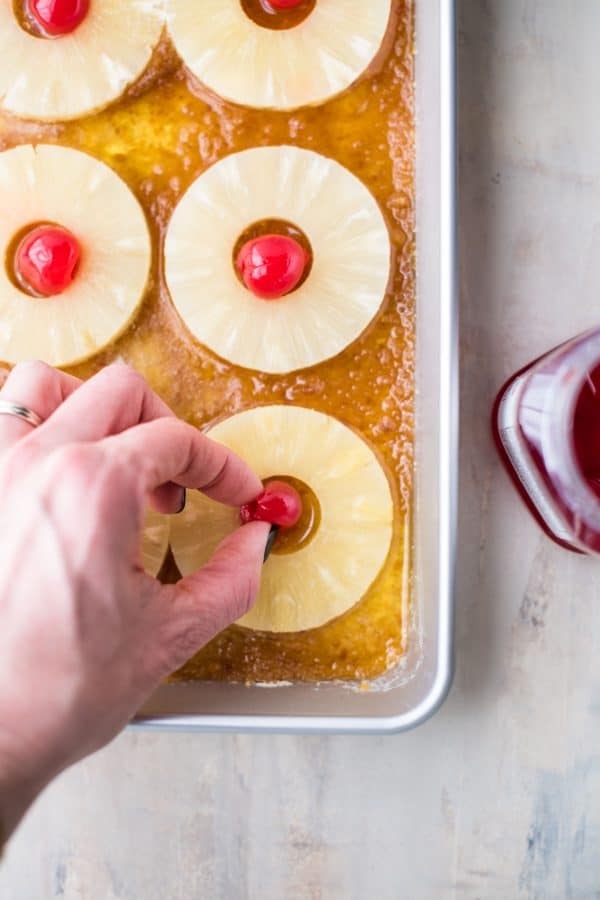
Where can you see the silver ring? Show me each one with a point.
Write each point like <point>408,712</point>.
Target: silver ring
<point>22,412</point>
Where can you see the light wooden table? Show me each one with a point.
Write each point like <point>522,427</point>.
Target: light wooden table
<point>498,797</point>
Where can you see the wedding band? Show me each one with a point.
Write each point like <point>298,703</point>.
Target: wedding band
<point>22,412</point>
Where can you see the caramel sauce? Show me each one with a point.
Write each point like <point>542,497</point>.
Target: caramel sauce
<point>159,137</point>
<point>27,21</point>
<point>268,16</point>
<point>289,540</point>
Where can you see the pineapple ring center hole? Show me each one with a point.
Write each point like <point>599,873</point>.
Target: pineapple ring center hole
<point>10,258</point>
<point>289,540</point>
<point>263,13</point>
<point>273,226</point>
<point>27,21</point>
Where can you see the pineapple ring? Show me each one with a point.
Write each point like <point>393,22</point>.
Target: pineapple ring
<point>155,540</point>
<point>254,66</point>
<point>351,258</point>
<point>331,573</point>
<point>63,186</point>
<point>78,73</point>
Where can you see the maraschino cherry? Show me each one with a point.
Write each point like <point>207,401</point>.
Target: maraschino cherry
<point>46,259</point>
<point>58,17</point>
<point>272,265</point>
<point>285,4</point>
<point>279,503</point>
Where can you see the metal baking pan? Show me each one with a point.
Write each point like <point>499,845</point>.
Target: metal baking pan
<point>409,695</point>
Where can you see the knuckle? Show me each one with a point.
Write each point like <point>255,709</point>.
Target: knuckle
<point>74,457</point>
<point>241,586</point>
<point>79,474</point>
<point>182,435</point>
<point>74,463</point>
<point>183,635</point>
<point>220,475</point>
<point>32,370</point>
<point>122,375</point>
<point>64,476</point>
<point>184,645</point>
<point>179,428</point>
<point>17,463</point>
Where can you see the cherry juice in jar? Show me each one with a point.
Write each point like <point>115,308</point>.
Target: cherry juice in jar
<point>546,423</point>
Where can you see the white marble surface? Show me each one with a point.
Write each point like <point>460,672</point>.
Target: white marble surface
<point>498,797</point>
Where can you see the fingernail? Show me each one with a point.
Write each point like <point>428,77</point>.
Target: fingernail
<point>183,499</point>
<point>270,542</point>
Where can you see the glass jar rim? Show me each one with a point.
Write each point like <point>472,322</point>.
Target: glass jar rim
<point>577,361</point>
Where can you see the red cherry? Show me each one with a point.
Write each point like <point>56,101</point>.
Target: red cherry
<point>285,4</point>
<point>46,259</point>
<point>280,504</point>
<point>58,17</point>
<point>272,265</point>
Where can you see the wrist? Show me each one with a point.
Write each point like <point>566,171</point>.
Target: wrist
<point>18,789</point>
<point>15,800</point>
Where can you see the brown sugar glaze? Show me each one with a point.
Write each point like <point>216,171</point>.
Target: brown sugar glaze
<point>159,137</point>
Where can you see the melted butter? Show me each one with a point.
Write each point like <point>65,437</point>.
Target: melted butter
<point>159,137</point>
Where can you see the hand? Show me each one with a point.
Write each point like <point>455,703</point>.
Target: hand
<point>86,634</point>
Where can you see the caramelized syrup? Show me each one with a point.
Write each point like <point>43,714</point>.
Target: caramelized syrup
<point>268,16</point>
<point>161,135</point>
<point>289,540</point>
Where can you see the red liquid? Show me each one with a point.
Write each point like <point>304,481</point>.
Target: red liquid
<point>546,424</point>
<point>586,431</point>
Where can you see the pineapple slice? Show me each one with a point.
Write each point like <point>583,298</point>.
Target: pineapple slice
<point>76,73</point>
<point>155,540</point>
<point>73,190</point>
<point>329,574</point>
<point>350,248</point>
<point>281,69</point>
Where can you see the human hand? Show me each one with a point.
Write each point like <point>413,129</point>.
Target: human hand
<point>85,633</point>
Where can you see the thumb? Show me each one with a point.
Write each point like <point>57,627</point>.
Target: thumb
<point>220,593</point>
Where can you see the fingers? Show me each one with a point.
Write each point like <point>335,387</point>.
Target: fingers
<point>37,386</point>
<point>171,450</point>
<point>218,594</point>
<point>115,399</point>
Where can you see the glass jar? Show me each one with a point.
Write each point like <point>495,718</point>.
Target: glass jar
<point>546,424</point>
